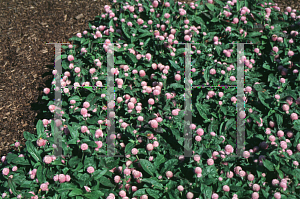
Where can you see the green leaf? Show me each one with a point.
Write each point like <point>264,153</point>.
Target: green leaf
<point>144,35</point>
<point>125,31</point>
<point>28,136</point>
<point>74,161</point>
<point>106,182</point>
<point>268,164</point>
<point>201,111</point>
<point>176,85</point>
<point>199,20</point>
<point>146,42</point>
<point>172,194</point>
<point>161,159</point>
<point>147,166</point>
<point>229,123</point>
<point>219,2</point>
<point>26,184</point>
<point>281,175</point>
<point>262,97</point>
<point>129,147</point>
<point>169,164</point>
<point>267,66</point>
<point>210,6</point>
<point>236,188</point>
<point>90,97</point>
<point>132,57</point>
<point>40,174</point>
<point>153,193</point>
<point>140,192</point>
<point>111,162</point>
<point>97,174</point>
<point>12,185</point>
<point>279,119</point>
<point>209,181</point>
<point>297,138</point>
<point>296,124</point>
<point>93,194</point>
<point>20,161</point>
<point>33,151</point>
<point>219,50</point>
<point>40,128</point>
<point>76,192</point>
<point>154,183</point>
<point>76,98</point>
<point>286,93</point>
<point>259,136</point>
<point>215,19</point>
<point>285,60</point>
<point>254,34</point>
<point>176,66</point>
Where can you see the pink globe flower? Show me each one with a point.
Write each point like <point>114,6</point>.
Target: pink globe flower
<point>214,196</point>
<point>275,49</point>
<point>198,138</point>
<point>84,129</point>
<point>88,189</point>
<point>68,178</point>
<point>255,195</point>
<point>151,101</point>
<point>229,148</point>
<point>5,171</point>
<point>140,118</point>
<point>46,91</point>
<point>256,187</point>
<point>189,195</point>
<point>294,116</point>
<point>17,144</point>
<point>193,126</point>
<point>70,57</point>
<point>142,73</point>
<point>210,162</point>
<point>154,124</point>
<point>280,133</point>
<point>61,178</point>
<point>177,77</point>
<point>226,188</point>
<point>180,188</point>
<point>134,151</point>
<point>250,177</point>
<point>277,195</point>
<point>90,169</point>
<point>149,147</point>
<point>15,168</point>
<point>212,71</point>
<point>44,187</point>
<point>155,144</point>
<point>47,159</point>
<point>155,4</point>
<point>198,170</point>
<point>232,78</point>
<point>84,146</point>
<point>122,193</point>
<point>169,174</point>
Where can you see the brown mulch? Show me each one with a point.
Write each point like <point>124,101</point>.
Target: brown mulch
<point>26,61</point>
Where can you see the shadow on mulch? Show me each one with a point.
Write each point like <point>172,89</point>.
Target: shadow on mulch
<point>26,61</point>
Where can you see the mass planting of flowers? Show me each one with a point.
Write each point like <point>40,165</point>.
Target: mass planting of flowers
<point>149,107</point>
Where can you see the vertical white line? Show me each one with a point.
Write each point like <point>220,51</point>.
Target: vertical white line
<point>187,104</point>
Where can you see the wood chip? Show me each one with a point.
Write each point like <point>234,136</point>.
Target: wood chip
<point>79,16</point>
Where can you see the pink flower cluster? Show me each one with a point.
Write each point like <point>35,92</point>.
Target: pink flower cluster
<point>62,178</point>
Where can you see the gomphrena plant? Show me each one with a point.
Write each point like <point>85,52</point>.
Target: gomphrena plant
<point>149,56</point>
